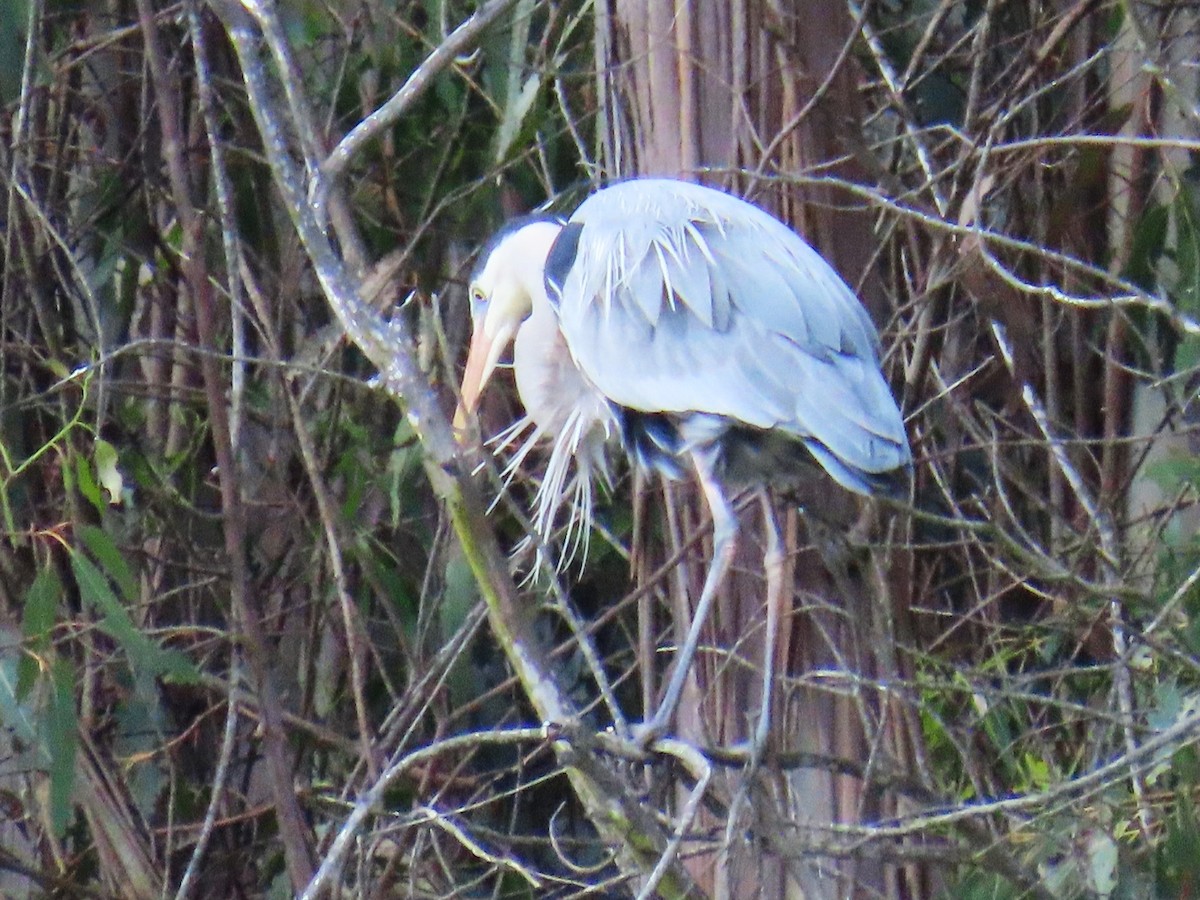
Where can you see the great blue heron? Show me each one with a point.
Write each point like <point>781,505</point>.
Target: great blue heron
<point>708,336</point>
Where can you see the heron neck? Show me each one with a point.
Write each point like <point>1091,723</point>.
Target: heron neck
<point>533,272</point>
<point>520,273</point>
<point>539,301</point>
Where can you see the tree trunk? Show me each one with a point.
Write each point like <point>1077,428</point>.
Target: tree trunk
<point>738,95</point>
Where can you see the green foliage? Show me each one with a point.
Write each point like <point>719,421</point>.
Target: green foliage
<point>14,17</point>
<point>982,886</point>
<point>60,728</point>
<point>111,495</point>
<point>1185,291</point>
<point>1178,864</point>
<point>41,613</point>
<point>1149,243</point>
<point>37,700</point>
<point>145,656</point>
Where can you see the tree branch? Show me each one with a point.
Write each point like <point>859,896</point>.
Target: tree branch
<point>621,818</point>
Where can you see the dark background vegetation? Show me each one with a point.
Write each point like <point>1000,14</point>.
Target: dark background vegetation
<point>240,584</point>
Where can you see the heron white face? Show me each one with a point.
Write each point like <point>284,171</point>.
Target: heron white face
<point>509,280</point>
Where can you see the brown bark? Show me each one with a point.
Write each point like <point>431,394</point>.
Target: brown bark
<point>739,95</point>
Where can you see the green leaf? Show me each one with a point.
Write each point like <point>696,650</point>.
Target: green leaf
<point>1037,770</point>
<point>1149,240</point>
<point>1174,472</point>
<point>41,605</point>
<point>514,91</point>
<point>521,102</point>
<point>1186,764</point>
<point>1187,252</point>
<point>982,886</point>
<point>1102,863</point>
<point>102,546</point>
<point>1168,704</point>
<point>85,481</point>
<point>1186,290</point>
<point>460,594</point>
<point>140,729</point>
<point>107,472</point>
<point>174,666</point>
<point>94,589</point>
<point>60,730</point>
<point>1178,864</point>
<point>145,654</point>
<point>15,715</point>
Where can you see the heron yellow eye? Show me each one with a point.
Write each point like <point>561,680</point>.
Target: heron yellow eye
<point>477,295</point>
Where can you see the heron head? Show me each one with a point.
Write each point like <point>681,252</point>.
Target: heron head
<point>508,280</point>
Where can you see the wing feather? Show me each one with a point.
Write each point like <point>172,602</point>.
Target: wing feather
<point>643,286</point>
<point>685,299</point>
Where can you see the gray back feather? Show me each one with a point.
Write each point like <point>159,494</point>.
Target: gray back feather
<point>680,298</point>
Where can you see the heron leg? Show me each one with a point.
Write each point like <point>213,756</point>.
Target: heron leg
<point>773,568</point>
<point>724,544</point>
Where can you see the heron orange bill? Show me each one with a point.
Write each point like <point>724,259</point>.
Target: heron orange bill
<point>481,363</point>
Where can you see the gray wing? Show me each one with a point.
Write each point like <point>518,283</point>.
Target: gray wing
<point>680,298</point>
